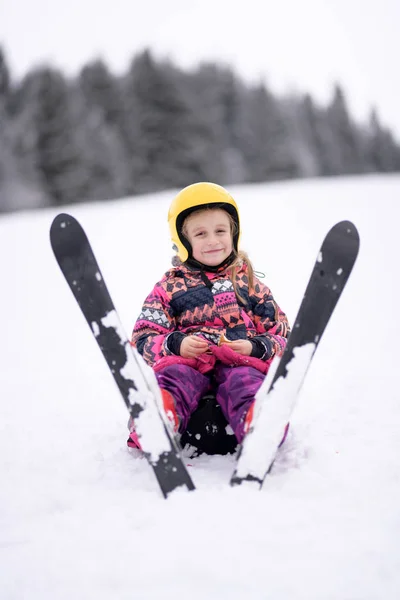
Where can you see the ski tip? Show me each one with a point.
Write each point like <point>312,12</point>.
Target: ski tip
<point>344,235</point>
<point>348,228</point>
<point>65,233</point>
<point>61,221</point>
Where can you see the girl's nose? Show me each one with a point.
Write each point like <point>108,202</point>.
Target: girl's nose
<point>213,239</point>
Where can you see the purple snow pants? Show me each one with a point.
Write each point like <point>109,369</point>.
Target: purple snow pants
<point>235,390</point>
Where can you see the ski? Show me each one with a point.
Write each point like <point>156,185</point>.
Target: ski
<point>136,380</point>
<point>277,396</point>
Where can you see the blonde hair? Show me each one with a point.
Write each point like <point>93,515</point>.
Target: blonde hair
<point>241,257</point>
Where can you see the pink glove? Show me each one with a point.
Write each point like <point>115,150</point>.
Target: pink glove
<point>229,357</point>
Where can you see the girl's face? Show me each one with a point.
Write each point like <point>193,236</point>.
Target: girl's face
<point>209,233</point>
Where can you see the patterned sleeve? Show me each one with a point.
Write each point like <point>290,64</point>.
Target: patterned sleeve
<point>271,322</point>
<point>153,326</point>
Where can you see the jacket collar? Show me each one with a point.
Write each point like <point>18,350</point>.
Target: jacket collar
<point>198,270</point>
<point>195,265</point>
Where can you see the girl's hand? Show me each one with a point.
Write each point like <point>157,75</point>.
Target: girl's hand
<point>192,346</point>
<point>241,347</point>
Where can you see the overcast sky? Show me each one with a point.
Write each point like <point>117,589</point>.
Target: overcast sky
<point>299,45</point>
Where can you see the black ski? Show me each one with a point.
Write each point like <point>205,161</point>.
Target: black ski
<point>136,381</point>
<point>277,396</point>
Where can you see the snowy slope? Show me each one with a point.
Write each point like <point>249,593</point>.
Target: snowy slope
<point>82,517</point>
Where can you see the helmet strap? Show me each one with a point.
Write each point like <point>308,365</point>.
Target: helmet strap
<point>192,263</point>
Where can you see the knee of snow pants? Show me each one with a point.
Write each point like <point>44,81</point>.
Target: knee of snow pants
<point>237,387</point>
<point>187,386</point>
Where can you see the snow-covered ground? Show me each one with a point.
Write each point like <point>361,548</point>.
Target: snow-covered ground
<point>82,517</point>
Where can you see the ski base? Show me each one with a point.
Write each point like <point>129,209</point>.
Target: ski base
<point>278,394</point>
<point>136,380</point>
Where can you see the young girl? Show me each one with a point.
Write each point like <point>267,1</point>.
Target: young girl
<point>209,321</point>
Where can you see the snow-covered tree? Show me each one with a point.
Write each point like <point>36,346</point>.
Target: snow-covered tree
<point>101,89</point>
<point>19,185</point>
<point>382,151</point>
<point>57,156</point>
<point>5,77</point>
<point>101,149</point>
<point>215,98</point>
<point>345,134</point>
<point>267,144</point>
<point>164,127</point>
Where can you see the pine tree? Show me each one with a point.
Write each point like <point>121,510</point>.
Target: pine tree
<point>382,150</point>
<point>232,99</point>
<point>268,147</point>
<point>102,152</point>
<point>301,118</point>
<point>216,100</point>
<point>19,187</point>
<point>345,133</point>
<point>164,128</point>
<point>321,137</point>
<point>57,156</point>
<point>5,78</point>
<point>101,89</point>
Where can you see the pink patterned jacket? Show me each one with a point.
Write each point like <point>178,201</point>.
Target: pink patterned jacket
<point>205,304</point>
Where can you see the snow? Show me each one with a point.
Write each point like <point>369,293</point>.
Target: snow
<point>81,516</point>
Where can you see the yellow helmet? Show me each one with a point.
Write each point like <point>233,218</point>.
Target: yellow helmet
<point>191,198</point>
